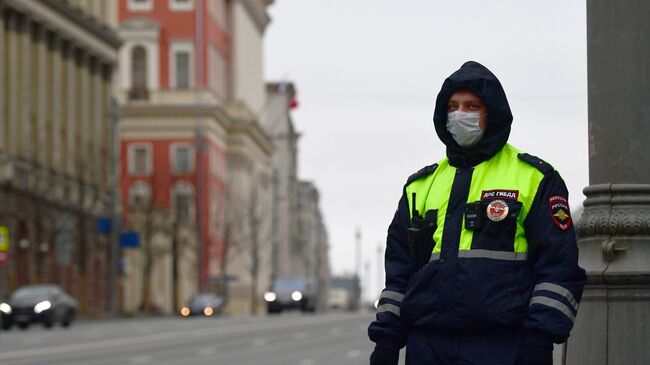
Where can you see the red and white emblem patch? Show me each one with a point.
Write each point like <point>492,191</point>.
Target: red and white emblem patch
<point>559,209</point>
<point>497,210</point>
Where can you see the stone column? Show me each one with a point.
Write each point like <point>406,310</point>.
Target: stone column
<point>613,323</point>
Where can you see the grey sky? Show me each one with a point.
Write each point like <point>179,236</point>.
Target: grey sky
<point>367,74</point>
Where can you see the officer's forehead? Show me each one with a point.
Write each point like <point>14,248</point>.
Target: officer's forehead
<point>464,95</point>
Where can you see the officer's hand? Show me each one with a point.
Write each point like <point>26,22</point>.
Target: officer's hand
<point>383,356</point>
<point>537,355</point>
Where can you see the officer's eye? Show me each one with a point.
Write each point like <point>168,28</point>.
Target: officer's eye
<point>473,107</point>
<point>452,107</point>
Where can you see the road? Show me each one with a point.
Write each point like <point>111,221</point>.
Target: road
<point>288,339</point>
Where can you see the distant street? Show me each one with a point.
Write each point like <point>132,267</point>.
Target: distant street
<point>288,339</point>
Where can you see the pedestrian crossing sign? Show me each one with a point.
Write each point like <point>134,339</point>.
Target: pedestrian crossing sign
<point>4,238</point>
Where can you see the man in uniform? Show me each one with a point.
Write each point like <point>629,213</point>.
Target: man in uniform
<point>481,255</point>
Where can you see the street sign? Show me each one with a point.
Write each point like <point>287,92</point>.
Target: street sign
<point>4,239</point>
<point>130,239</point>
<point>103,225</point>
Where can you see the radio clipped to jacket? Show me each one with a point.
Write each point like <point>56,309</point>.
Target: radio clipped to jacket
<point>420,234</point>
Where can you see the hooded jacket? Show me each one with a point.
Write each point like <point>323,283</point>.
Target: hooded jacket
<point>456,295</point>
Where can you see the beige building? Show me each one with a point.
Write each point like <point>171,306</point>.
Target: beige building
<point>312,260</point>
<point>56,64</point>
<point>280,127</point>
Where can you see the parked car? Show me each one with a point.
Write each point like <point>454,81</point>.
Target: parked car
<point>291,293</point>
<point>203,304</point>
<point>44,303</point>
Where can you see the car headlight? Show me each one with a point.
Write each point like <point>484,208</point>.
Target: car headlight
<point>42,306</point>
<point>376,303</point>
<point>208,311</point>
<point>270,296</point>
<point>185,311</point>
<point>296,296</point>
<point>5,308</point>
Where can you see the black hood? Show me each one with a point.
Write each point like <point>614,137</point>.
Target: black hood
<point>477,78</point>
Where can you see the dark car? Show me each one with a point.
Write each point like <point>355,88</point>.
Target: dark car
<point>203,304</point>
<point>44,303</point>
<point>291,293</point>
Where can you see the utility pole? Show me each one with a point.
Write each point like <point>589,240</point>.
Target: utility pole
<point>199,143</point>
<point>357,266</point>
<point>114,116</point>
<point>380,268</point>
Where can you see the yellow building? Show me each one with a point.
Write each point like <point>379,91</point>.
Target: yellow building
<point>56,144</point>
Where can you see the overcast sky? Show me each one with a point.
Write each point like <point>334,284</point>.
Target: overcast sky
<point>367,74</point>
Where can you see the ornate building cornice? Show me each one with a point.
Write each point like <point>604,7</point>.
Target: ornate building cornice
<point>257,10</point>
<point>616,210</point>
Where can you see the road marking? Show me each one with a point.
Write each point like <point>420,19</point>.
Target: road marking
<point>166,336</point>
<point>206,351</point>
<point>306,362</point>
<point>335,331</point>
<point>259,342</point>
<point>353,353</point>
<point>141,360</point>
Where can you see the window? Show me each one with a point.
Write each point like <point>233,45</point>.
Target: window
<point>182,159</point>
<point>181,5</point>
<point>139,195</point>
<point>138,74</point>
<point>140,5</point>
<point>183,202</point>
<point>182,70</point>
<point>181,67</point>
<point>140,159</point>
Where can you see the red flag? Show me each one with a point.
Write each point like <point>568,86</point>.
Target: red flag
<point>294,103</point>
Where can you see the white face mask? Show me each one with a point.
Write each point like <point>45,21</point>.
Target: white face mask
<point>464,127</point>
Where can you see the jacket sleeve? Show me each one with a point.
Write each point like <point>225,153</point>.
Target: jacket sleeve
<point>387,331</point>
<point>558,280</point>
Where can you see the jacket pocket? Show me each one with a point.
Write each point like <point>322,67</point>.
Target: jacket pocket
<point>494,223</point>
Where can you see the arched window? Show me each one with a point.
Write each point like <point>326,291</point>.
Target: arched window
<point>139,195</point>
<point>183,202</point>
<point>139,73</point>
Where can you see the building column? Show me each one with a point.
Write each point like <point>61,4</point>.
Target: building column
<point>71,108</point>
<point>56,100</point>
<point>12,80</point>
<point>613,323</point>
<point>43,85</point>
<point>3,116</point>
<point>26,89</point>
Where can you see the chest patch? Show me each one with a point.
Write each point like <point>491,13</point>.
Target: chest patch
<point>500,194</point>
<point>559,210</point>
<point>497,210</point>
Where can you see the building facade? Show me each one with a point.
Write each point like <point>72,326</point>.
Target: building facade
<point>56,145</point>
<point>278,123</point>
<point>312,259</point>
<point>190,86</point>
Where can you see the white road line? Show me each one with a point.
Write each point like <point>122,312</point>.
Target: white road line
<point>335,331</point>
<point>259,342</point>
<point>353,353</point>
<point>206,351</point>
<point>141,360</point>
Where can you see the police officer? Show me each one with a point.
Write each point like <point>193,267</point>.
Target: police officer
<point>481,255</point>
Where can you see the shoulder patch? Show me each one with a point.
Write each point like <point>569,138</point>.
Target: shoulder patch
<point>537,162</point>
<point>428,170</point>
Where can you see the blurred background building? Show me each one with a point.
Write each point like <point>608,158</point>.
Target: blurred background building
<point>57,61</point>
<point>198,156</point>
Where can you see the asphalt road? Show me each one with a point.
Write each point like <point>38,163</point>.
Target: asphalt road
<point>288,339</point>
